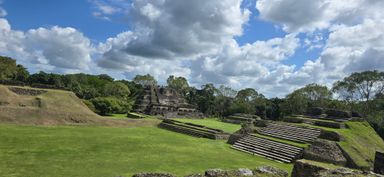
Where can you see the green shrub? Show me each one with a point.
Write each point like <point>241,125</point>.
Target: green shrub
<point>106,105</point>
<point>90,105</point>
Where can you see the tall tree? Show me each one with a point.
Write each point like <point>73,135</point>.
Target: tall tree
<point>10,71</point>
<point>180,84</point>
<point>311,95</point>
<point>145,80</point>
<point>117,89</point>
<point>226,91</point>
<point>361,86</point>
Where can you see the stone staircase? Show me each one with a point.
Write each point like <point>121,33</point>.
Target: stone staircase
<point>291,132</point>
<point>193,129</point>
<point>273,150</point>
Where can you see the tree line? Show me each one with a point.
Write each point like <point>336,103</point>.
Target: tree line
<point>361,92</point>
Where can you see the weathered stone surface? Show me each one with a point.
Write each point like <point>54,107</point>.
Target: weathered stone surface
<point>329,124</point>
<point>271,171</point>
<point>165,102</point>
<point>315,111</point>
<point>234,137</point>
<point>153,175</point>
<point>379,163</point>
<point>330,135</point>
<point>245,172</point>
<point>240,118</point>
<point>216,173</point>
<point>333,113</point>
<point>306,169</point>
<point>261,123</point>
<point>325,151</point>
<point>247,115</point>
<point>26,91</point>
<point>303,169</point>
<point>345,172</point>
<point>356,114</point>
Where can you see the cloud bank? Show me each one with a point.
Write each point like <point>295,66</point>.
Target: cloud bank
<point>198,40</point>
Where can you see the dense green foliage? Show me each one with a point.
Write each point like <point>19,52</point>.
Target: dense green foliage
<point>145,80</point>
<point>10,71</point>
<point>311,95</point>
<point>35,151</point>
<point>180,84</point>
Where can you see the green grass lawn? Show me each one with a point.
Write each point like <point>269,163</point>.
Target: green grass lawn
<point>117,116</point>
<point>37,151</point>
<point>361,143</point>
<point>213,123</point>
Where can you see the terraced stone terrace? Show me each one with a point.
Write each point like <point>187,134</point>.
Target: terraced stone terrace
<point>270,149</point>
<point>314,120</point>
<point>291,132</point>
<point>240,118</point>
<point>193,129</point>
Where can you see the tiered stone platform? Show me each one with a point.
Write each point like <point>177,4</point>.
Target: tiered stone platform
<point>316,120</point>
<point>267,148</point>
<point>193,129</point>
<point>291,132</point>
<point>239,118</point>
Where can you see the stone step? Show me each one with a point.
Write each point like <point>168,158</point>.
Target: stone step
<point>274,142</point>
<point>278,152</point>
<point>297,134</point>
<point>295,126</point>
<point>284,137</point>
<point>288,148</point>
<point>192,126</point>
<point>242,150</point>
<point>187,131</point>
<point>288,132</point>
<point>197,125</point>
<point>293,135</point>
<point>292,127</point>
<point>263,153</point>
<point>263,143</point>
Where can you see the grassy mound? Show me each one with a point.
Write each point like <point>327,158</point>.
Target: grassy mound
<point>40,151</point>
<point>51,107</point>
<point>360,142</point>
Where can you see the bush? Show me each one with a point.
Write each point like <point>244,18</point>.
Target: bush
<point>90,105</point>
<point>106,105</point>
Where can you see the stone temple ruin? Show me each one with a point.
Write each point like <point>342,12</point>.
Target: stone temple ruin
<point>259,137</point>
<point>292,140</point>
<point>165,102</point>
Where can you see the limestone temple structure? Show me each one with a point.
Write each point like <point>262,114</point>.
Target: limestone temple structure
<point>165,102</point>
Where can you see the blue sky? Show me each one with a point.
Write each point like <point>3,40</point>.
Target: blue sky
<point>275,46</point>
<point>25,15</point>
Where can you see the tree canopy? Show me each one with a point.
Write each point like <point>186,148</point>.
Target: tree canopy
<point>145,80</point>
<point>180,84</point>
